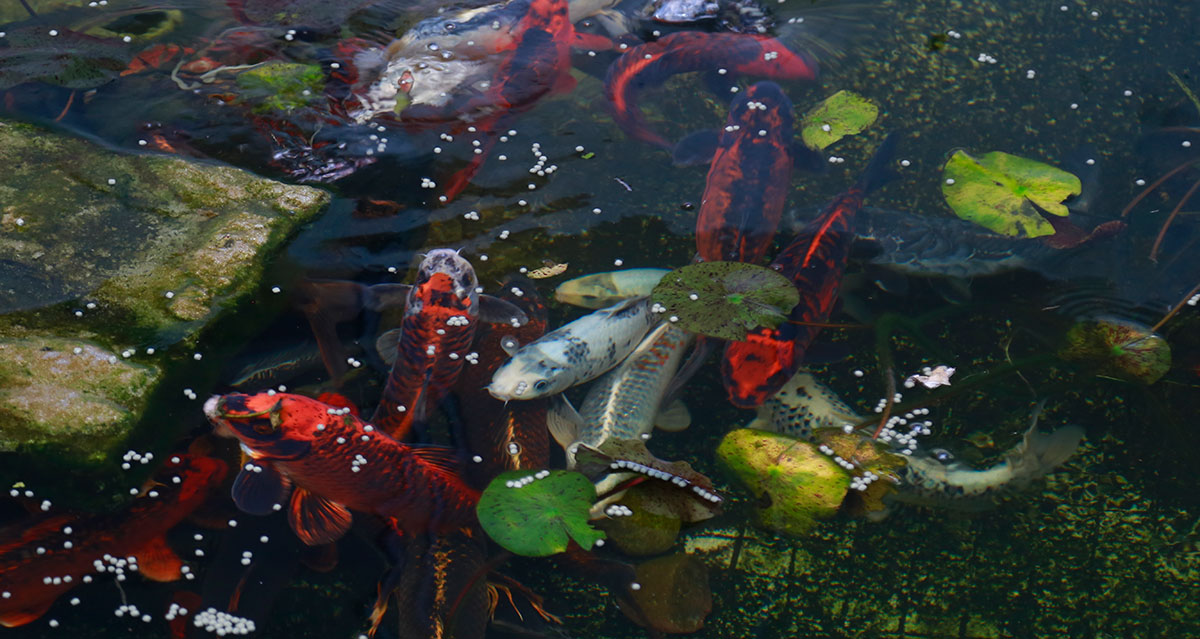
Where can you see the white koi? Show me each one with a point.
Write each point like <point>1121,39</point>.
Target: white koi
<point>576,353</point>
<point>599,290</point>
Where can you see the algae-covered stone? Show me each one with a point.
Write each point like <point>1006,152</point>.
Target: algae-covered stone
<point>794,483</point>
<point>281,86</point>
<point>69,393</point>
<point>160,244</point>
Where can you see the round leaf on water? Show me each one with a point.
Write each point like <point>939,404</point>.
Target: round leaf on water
<point>538,516</point>
<point>1118,348</point>
<point>999,191</point>
<point>841,114</point>
<point>725,299</point>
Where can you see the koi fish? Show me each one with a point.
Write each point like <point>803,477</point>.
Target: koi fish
<point>804,405</point>
<point>625,403</point>
<point>331,462</point>
<point>748,179</point>
<point>575,353</point>
<point>652,63</point>
<point>741,16</point>
<point>753,369</point>
<point>507,436</point>
<point>599,290</point>
<point>45,556</point>
<point>440,315</point>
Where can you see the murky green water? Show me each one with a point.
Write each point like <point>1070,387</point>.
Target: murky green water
<point>1106,546</point>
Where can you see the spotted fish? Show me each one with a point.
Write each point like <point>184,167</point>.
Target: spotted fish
<point>804,405</point>
<point>625,403</point>
<point>575,353</point>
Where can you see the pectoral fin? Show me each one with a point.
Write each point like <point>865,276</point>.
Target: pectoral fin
<point>673,418</point>
<point>317,520</point>
<point>564,422</point>
<point>386,345</point>
<point>494,310</point>
<point>257,492</point>
<point>156,561</point>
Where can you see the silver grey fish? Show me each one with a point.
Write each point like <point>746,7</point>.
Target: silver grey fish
<point>625,403</point>
<point>605,289</point>
<point>576,353</point>
<point>805,405</point>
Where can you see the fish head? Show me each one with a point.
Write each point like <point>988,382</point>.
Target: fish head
<point>269,425</point>
<point>446,279</point>
<point>762,107</point>
<point>528,375</point>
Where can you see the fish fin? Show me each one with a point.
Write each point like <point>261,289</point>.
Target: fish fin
<point>257,492</point>
<point>380,297</point>
<point>809,160</point>
<point>1050,450</point>
<point>510,345</point>
<point>386,345</point>
<point>316,520</point>
<point>696,148</point>
<point>22,616</point>
<point>955,290</point>
<point>157,562</point>
<point>564,422</point>
<point>320,558</point>
<point>704,348</point>
<point>880,171</point>
<point>442,459</point>
<point>494,310</point>
<point>565,83</point>
<point>623,305</point>
<point>591,41</point>
<point>673,418</point>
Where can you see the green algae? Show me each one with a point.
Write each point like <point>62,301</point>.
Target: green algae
<point>281,86</point>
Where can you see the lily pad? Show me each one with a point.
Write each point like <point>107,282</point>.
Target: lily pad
<point>1119,348</point>
<point>793,483</point>
<point>725,299</point>
<point>841,114</point>
<point>998,191</point>
<point>536,514</point>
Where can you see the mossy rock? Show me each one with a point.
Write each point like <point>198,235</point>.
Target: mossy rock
<point>794,484</point>
<point>160,245</point>
<point>281,86</point>
<point>71,396</point>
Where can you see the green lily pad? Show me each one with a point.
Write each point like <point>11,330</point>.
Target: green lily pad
<point>536,514</point>
<point>998,191</point>
<point>841,114</point>
<point>1118,348</point>
<point>725,299</point>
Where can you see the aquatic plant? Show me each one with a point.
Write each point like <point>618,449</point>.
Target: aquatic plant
<point>1118,348</point>
<point>280,86</point>
<point>536,514</point>
<point>725,299</point>
<point>841,114</point>
<point>1003,192</point>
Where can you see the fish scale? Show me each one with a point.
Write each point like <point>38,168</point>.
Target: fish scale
<point>623,403</point>
<point>416,486</point>
<point>575,353</point>
<point>432,343</point>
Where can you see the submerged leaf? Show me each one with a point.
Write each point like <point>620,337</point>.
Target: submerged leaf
<point>68,58</point>
<point>725,299</point>
<point>1119,348</point>
<point>841,114</point>
<point>536,514</point>
<point>998,191</point>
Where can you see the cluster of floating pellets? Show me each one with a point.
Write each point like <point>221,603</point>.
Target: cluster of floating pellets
<point>223,623</point>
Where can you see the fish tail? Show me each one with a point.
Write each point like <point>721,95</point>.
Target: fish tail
<point>1040,453</point>
<point>880,170</point>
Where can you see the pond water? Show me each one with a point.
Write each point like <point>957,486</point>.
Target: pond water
<point>1105,545</point>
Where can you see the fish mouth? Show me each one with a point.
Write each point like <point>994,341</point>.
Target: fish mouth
<point>212,408</point>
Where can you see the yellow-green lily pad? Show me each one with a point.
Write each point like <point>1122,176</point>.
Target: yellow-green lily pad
<point>841,114</point>
<point>998,191</point>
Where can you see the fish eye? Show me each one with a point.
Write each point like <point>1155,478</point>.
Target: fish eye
<point>942,455</point>
<point>451,26</point>
<point>406,82</point>
<point>541,385</point>
<point>262,426</point>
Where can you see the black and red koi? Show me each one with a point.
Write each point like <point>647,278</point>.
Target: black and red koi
<point>441,312</point>
<point>754,369</point>
<point>324,462</point>
<point>45,556</point>
<point>650,65</point>
<point>748,179</point>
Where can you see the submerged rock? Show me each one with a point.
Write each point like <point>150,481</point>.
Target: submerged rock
<point>68,392</point>
<point>106,255</point>
<point>672,595</point>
